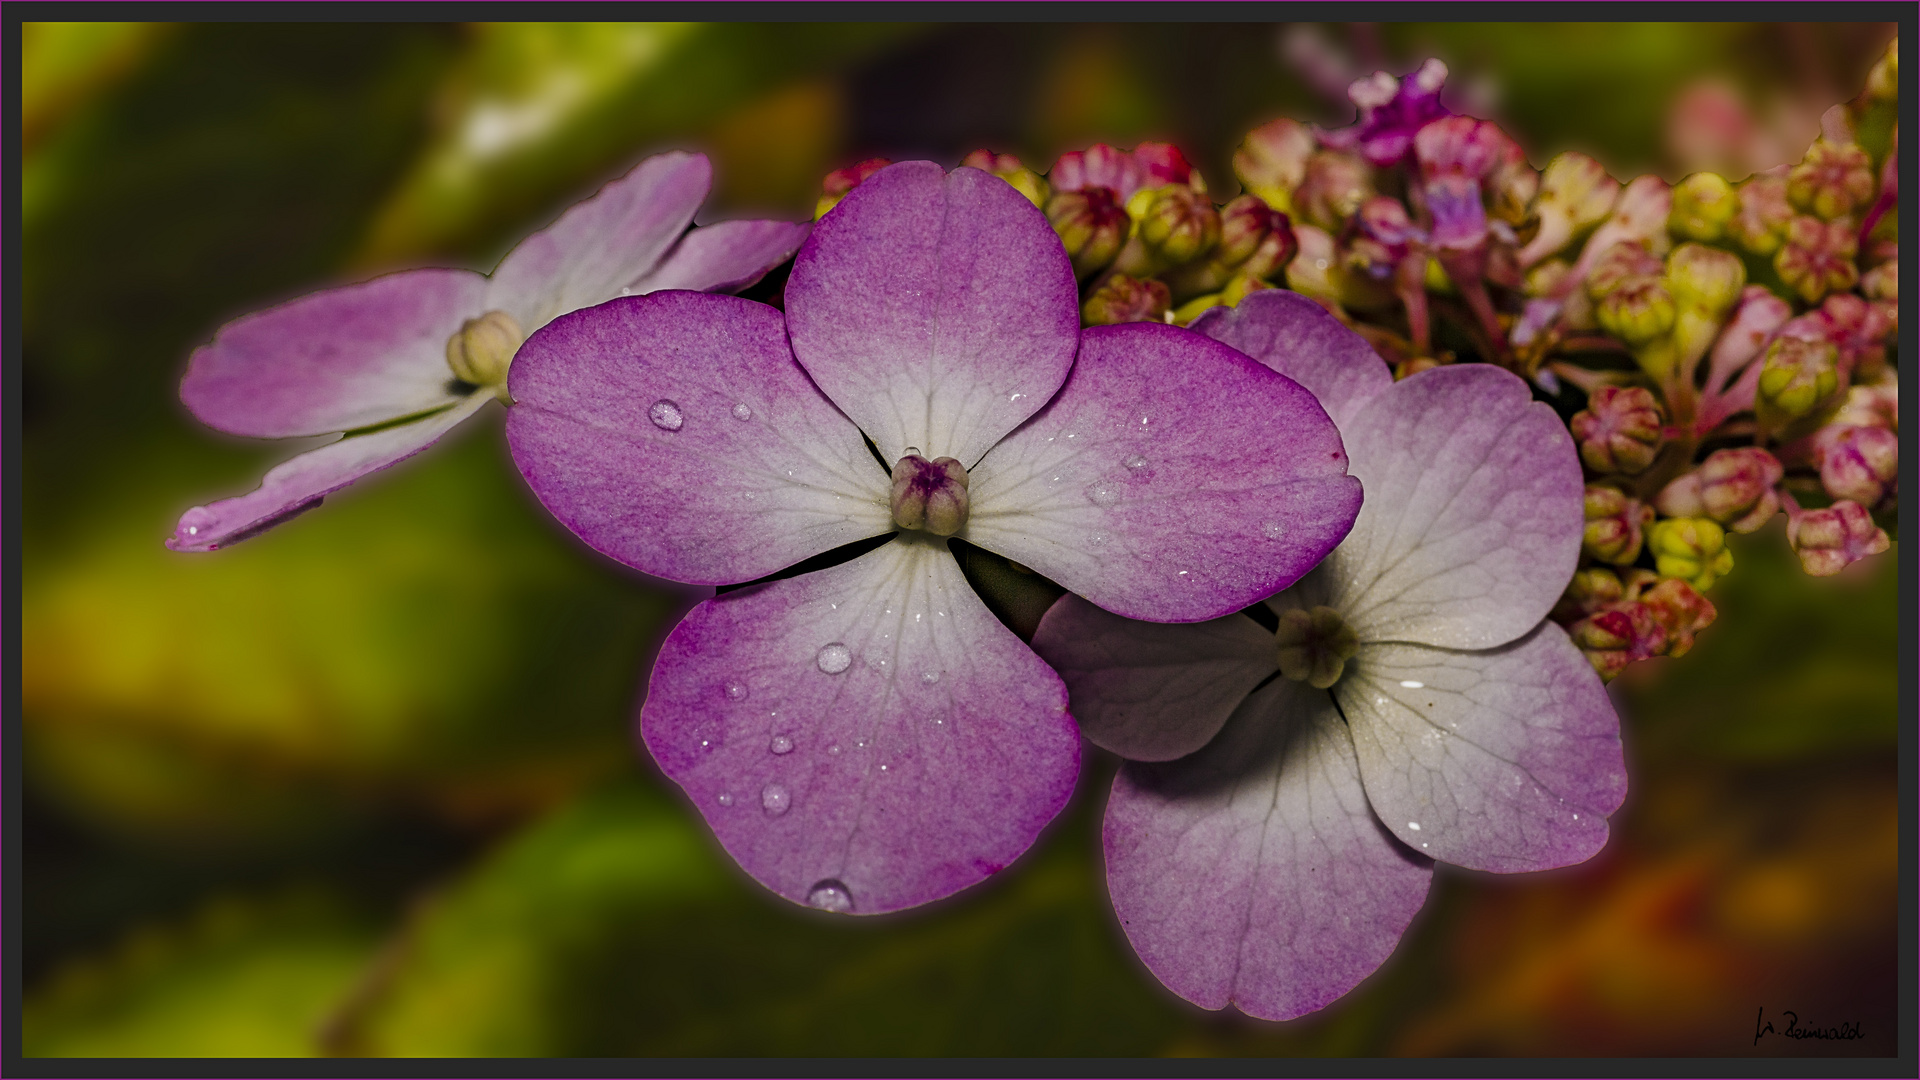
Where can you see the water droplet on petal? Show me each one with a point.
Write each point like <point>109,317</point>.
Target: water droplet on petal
<point>912,451</point>
<point>1136,463</point>
<point>1273,530</point>
<point>736,690</point>
<point>196,519</point>
<point>834,658</point>
<point>834,749</point>
<point>1412,685</point>
<point>830,895</point>
<point>1103,493</point>
<point>1414,825</point>
<point>930,678</point>
<point>726,798</point>
<point>781,745</point>
<point>743,411</point>
<point>666,415</point>
<point>774,799</point>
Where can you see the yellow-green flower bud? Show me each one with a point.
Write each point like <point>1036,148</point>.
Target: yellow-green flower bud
<point>1638,311</point>
<point>1702,205</point>
<point>1760,224</point>
<point>1818,257</point>
<point>1797,377</point>
<point>1008,168</point>
<point>482,349</point>
<point>1691,549</point>
<point>1272,160</point>
<point>1176,224</point>
<point>1123,299</point>
<point>1831,180</point>
<point>1314,646</point>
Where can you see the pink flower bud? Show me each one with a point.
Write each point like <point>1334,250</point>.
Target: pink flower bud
<point>1619,430</point>
<point>1163,163</point>
<point>1761,222</point>
<point>1858,329</point>
<point>1615,521</point>
<point>1099,165</point>
<point>1272,161</point>
<point>1861,464</point>
<point>1123,299</point>
<point>1593,589</point>
<point>1614,638</point>
<point>1830,540</point>
<point>1620,263</point>
<point>1464,146</point>
<point>840,181</point>
<point>1680,610</point>
<point>1733,487</point>
<point>1818,257</point>
<point>1244,225</point>
<point>1831,180</point>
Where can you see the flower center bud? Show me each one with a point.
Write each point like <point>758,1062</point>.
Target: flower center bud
<point>1315,646</point>
<point>482,349</point>
<point>929,495</point>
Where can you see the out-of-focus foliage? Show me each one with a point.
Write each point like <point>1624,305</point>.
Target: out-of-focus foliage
<point>365,784</point>
<point>241,978</point>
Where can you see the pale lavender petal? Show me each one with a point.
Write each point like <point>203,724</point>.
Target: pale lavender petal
<point>1173,479</point>
<point>675,433</point>
<point>864,738</point>
<point>1152,691</point>
<point>1472,523</point>
<point>1254,873</point>
<point>1506,760</point>
<point>337,360</point>
<point>938,310</point>
<point>602,245</point>
<point>725,257</point>
<point>299,483</point>
<point>1303,341</point>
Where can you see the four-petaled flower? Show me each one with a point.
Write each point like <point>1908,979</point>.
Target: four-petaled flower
<point>868,736</point>
<point>396,362</point>
<point>1270,841</point>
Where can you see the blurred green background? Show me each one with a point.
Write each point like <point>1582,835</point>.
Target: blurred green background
<point>365,784</point>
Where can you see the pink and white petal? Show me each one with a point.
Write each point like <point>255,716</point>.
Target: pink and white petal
<point>725,257</point>
<point>1152,691</point>
<point>299,483</point>
<point>864,738</point>
<point>602,245</point>
<point>346,358</point>
<point>1303,341</point>
<point>1173,479</point>
<point>1505,760</point>
<point>938,310</point>
<point>1473,516</point>
<point>675,433</point>
<point>1254,873</point>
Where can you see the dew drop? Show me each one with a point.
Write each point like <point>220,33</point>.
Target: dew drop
<point>196,519</point>
<point>726,798</point>
<point>743,411</point>
<point>912,451</point>
<point>834,658</point>
<point>1273,530</point>
<point>1411,684</point>
<point>1414,825</point>
<point>736,690</point>
<point>781,745</point>
<point>1136,463</point>
<point>666,415</point>
<point>775,800</point>
<point>930,678</point>
<point>1103,494</point>
<point>860,743</point>
<point>830,895</point>
<point>834,749</point>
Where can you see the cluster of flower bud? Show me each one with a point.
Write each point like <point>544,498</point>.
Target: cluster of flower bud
<point>1757,313</point>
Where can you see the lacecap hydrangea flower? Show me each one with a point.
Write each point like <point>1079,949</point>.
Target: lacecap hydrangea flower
<point>868,736</point>
<point>396,362</point>
<point>1293,777</point>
